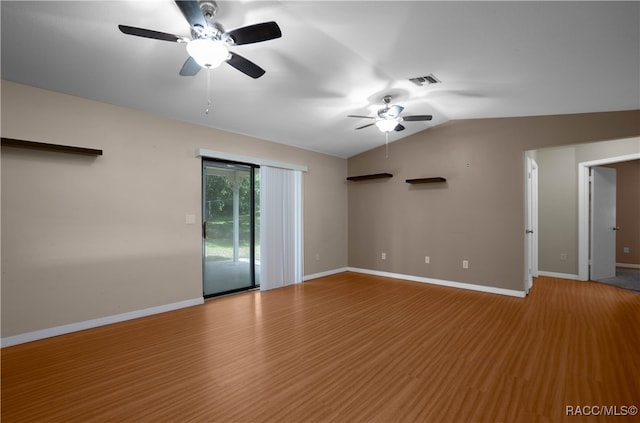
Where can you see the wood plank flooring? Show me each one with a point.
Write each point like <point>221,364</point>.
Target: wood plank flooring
<point>345,348</point>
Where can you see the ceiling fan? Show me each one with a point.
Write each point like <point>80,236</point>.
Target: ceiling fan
<point>209,43</point>
<point>389,118</point>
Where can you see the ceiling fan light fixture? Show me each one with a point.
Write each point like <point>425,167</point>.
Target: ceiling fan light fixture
<point>387,125</point>
<point>207,53</point>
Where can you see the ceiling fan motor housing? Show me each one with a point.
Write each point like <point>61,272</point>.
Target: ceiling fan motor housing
<point>209,9</point>
<point>214,29</point>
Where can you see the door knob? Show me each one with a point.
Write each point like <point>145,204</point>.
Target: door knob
<point>616,228</point>
<point>528,231</point>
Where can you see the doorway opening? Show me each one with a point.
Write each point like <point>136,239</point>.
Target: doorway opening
<point>586,249</point>
<point>230,227</point>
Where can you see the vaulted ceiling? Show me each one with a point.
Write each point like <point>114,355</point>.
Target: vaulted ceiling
<point>335,58</point>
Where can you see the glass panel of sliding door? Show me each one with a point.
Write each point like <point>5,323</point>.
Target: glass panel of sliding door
<point>229,225</point>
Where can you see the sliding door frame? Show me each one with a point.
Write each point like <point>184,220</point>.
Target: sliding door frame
<point>253,169</point>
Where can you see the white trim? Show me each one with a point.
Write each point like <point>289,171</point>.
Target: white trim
<point>323,274</point>
<point>559,275</point>
<point>212,154</point>
<point>628,265</point>
<point>583,222</point>
<point>531,221</point>
<point>583,209</point>
<point>94,323</point>
<point>451,284</point>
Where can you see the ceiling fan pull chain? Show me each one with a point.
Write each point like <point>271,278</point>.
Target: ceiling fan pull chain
<point>206,111</point>
<point>386,145</point>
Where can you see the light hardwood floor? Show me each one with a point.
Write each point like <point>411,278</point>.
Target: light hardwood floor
<point>345,348</point>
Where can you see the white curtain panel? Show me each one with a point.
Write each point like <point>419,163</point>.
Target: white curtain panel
<point>280,227</point>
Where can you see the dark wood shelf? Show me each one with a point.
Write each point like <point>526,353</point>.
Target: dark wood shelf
<point>426,180</point>
<point>10,142</point>
<point>373,176</point>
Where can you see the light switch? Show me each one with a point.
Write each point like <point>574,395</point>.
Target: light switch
<point>190,219</point>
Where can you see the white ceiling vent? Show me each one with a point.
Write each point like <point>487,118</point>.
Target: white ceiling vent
<point>425,80</point>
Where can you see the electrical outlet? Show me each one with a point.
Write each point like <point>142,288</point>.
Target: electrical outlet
<point>427,259</point>
<point>190,219</point>
<point>626,250</point>
<point>465,264</point>
<point>383,256</point>
<point>317,256</point>
<point>563,256</point>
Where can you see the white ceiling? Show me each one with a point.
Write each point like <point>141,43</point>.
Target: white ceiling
<point>495,59</point>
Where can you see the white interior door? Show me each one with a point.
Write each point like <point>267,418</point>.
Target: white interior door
<point>603,223</point>
<point>531,223</point>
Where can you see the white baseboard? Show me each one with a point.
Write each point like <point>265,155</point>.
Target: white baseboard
<point>94,323</point>
<point>628,265</point>
<point>451,284</point>
<point>559,275</point>
<point>323,274</point>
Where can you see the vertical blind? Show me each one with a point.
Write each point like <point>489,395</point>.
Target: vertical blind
<point>280,227</point>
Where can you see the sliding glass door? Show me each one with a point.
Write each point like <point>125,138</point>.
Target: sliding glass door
<point>230,211</point>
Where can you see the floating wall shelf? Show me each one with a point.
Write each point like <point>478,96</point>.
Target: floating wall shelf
<point>373,176</point>
<point>10,142</point>
<point>426,180</point>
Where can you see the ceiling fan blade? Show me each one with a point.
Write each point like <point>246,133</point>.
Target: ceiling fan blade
<point>147,33</point>
<point>394,111</point>
<point>255,33</point>
<point>398,128</point>
<point>361,117</point>
<point>245,66</point>
<point>365,126</point>
<point>192,13</point>
<point>416,118</point>
<point>190,67</point>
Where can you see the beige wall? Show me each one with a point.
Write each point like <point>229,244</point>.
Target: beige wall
<point>84,238</point>
<point>557,210</point>
<point>558,198</point>
<point>628,211</point>
<point>478,214</point>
